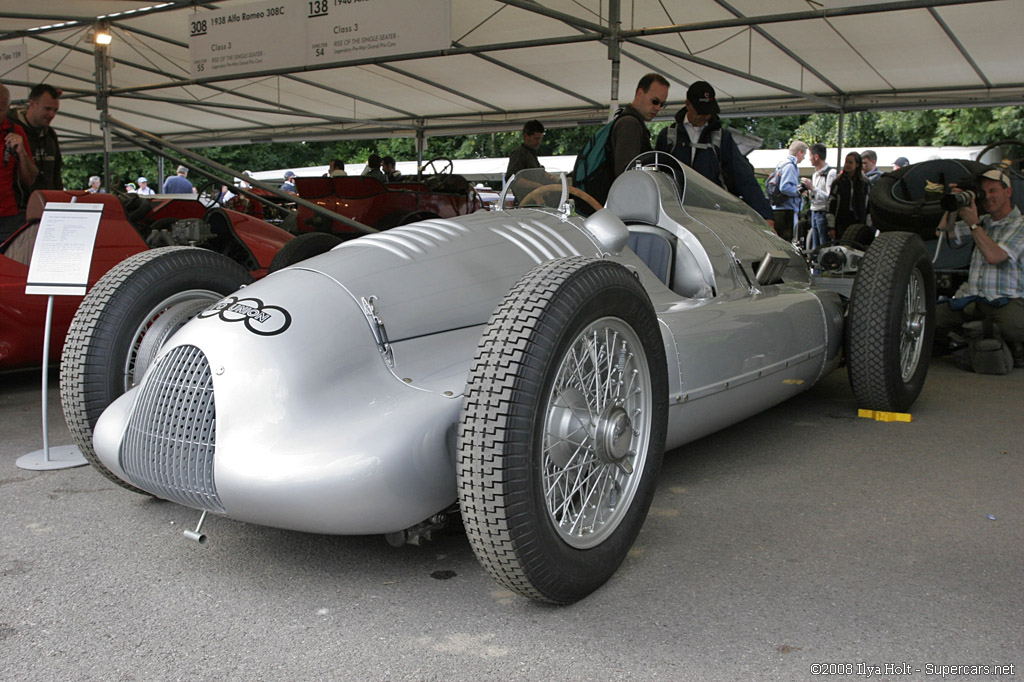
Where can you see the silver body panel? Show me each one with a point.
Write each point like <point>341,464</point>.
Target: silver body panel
<point>338,382</point>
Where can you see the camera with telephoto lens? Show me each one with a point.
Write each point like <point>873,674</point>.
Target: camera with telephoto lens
<point>970,191</point>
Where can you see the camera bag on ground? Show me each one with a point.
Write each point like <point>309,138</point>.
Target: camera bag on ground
<point>986,351</point>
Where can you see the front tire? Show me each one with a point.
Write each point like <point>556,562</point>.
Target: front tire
<point>891,323</point>
<point>563,429</point>
<point>125,319</point>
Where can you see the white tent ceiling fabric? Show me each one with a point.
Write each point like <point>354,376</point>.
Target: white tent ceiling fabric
<point>513,60</point>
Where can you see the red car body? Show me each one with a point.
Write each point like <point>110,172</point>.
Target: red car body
<point>246,239</point>
<point>374,203</point>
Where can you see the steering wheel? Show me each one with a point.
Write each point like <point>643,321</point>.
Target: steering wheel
<point>135,207</point>
<point>1012,154</point>
<point>439,162</point>
<point>210,188</point>
<point>548,189</point>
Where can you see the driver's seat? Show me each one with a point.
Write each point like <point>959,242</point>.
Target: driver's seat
<point>654,248</point>
<point>636,197</point>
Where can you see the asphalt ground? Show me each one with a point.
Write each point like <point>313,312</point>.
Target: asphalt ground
<point>803,536</point>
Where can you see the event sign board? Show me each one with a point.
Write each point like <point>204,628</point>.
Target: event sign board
<point>63,249</point>
<point>14,67</point>
<point>294,34</point>
<point>356,29</point>
<point>259,37</point>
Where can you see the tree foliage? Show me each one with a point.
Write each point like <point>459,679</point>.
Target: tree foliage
<point>924,128</point>
<point>930,127</point>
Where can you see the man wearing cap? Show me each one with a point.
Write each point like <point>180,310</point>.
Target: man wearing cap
<point>35,119</point>
<point>698,140</point>
<point>144,188</point>
<point>995,286</point>
<point>179,184</point>
<point>289,182</point>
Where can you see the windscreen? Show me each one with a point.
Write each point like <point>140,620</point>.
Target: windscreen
<point>536,187</point>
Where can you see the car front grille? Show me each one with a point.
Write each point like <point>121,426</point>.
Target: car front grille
<point>168,445</point>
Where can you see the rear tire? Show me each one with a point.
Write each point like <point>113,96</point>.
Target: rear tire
<point>891,323</point>
<point>399,218</point>
<point>302,247</point>
<point>125,319</point>
<point>563,429</point>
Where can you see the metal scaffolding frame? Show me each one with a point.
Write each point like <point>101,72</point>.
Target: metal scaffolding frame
<point>484,82</point>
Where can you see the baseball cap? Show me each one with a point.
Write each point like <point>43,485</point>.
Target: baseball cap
<point>901,162</point>
<point>142,180</point>
<point>702,96</point>
<point>289,174</point>
<point>998,175</point>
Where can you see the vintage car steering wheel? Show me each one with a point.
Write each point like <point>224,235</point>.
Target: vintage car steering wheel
<point>1013,161</point>
<point>439,162</point>
<point>547,189</point>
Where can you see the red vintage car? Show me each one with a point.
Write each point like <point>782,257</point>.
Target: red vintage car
<point>383,206</point>
<point>374,203</point>
<point>130,225</point>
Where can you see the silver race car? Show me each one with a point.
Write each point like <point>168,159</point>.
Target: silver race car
<point>524,369</point>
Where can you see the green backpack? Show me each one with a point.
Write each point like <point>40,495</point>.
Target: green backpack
<point>593,172</point>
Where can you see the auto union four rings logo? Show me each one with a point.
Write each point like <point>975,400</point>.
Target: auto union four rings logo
<point>261,319</point>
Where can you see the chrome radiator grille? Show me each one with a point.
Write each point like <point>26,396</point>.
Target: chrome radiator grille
<point>168,445</point>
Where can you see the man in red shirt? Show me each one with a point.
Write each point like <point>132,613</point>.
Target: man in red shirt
<point>17,166</point>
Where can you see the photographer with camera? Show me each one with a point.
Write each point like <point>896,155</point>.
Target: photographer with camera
<point>994,290</point>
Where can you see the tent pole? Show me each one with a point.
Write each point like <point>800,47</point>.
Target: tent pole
<point>421,144</point>
<point>839,138</point>
<point>101,60</point>
<point>614,53</point>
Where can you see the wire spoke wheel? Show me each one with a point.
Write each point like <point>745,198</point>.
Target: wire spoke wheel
<point>891,323</point>
<point>915,316</point>
<point>160,323</point>
<point>596,432</point>
<point>563,428</point>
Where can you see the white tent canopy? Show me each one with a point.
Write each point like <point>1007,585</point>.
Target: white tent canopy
<point>566,62</point>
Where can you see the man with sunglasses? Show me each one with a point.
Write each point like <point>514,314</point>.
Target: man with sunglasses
<point>630,136</point>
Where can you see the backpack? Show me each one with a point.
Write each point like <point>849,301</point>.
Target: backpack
<point>593,172</point>
<point>771,186</point>
<point>715,144</point>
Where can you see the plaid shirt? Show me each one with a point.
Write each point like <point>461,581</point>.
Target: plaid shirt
<point>1006,278</point>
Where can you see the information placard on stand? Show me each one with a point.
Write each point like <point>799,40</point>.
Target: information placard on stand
<point>60,266</point>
